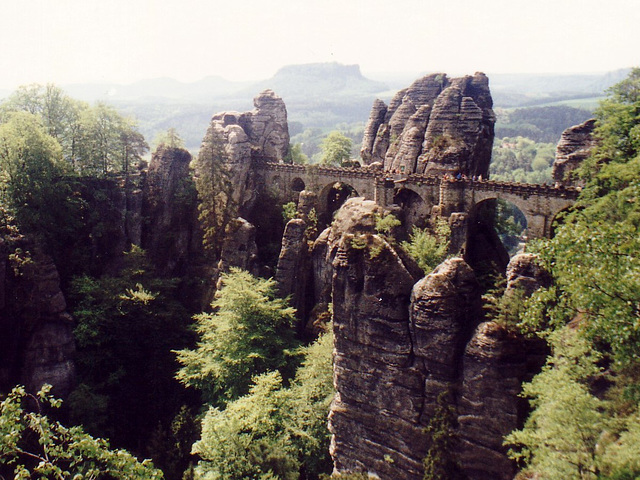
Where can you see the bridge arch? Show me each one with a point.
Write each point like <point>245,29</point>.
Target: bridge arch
<point>414,209</point>
<point>558,220</point>
<point>538,207</point>
<point>495,231</point>
<point>297,185</point>
<point>331,198</point>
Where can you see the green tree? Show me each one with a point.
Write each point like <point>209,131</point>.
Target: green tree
<point>34,446</point>
<point>59,113</point>
<point>215,190</point>
<point>30,167</point>
<point>560,437</point>
<point>336,149</point>
<point>249,332</point>
<point>440,462</point>
<point>594,259</point>
<point>127,328</point>
<point>169,138</point>
<point>429,249</point>
<point>296,155</point>
<point>109,143</point>
<point>274,429</point>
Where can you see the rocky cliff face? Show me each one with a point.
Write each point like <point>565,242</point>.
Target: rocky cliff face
<point>171,233</point>
<point>399,344</point>
<point>262,133</point>
<point>574,146</point>
<point>259,135</point>
<point>36,332</point>
<point>437,125</point>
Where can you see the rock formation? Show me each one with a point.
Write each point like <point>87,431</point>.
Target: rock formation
<point>574,146</point>
<point>495,363</point>
<point>399,345</point>
<point>36,332</point>
<point>170,206</point>
<point>262,133</point>
<point>243,138</point>
<point>371,288</point>
<point>437,125</point>
<point>239,249</point>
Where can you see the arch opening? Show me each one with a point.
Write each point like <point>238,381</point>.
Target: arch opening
<point>412,207</point>
<point>297,185</point>
<point>331,199</point>
<point>496,231</point>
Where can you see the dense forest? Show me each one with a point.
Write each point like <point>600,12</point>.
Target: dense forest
<point>235,389</point>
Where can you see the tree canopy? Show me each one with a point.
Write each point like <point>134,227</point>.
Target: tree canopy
<point>591,315</point>
<point>336,149</point>
<point>34,446</point>
<point>95,140</point>
<point>249,332</point>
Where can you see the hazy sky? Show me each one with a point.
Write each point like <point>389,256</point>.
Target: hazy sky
<point>69,41</point>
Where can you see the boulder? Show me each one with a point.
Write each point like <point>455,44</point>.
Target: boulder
<point>576,144</point>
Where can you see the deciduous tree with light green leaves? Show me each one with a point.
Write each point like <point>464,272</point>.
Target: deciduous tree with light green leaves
<point>273,430</point>
<point>249,332</point>
<point>30,164</point>
<point>336,149</point>
<point>591,315</point>
<point>429,249</point>
<point>34,446</point>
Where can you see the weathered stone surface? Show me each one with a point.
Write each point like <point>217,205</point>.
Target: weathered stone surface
<point>239,247</point>
<point>495,363</point>
<point>394,357</point>
<point>410,142</point>
<point>371,289</point>
<point>376,118</point>
<point>262,133</point>
<point>437,125</point>
<point>267,127</point>
<point>576,143</point>
<point>396,126</point>
<point>170,209</point>
<point>525,273</point>
<point>445,307</point>
<point>36,332</point>
<point>259,135</point>
<point>291,274</point>
<point>459,137</point>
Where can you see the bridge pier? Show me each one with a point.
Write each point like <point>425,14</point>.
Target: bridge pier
<point>383,193</point>
<point>538,226</point>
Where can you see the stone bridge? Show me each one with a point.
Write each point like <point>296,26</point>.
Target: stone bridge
<point>420,196</point>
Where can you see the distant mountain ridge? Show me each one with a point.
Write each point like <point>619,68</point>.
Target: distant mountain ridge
<point>317,95</point>
<point>321,79</point>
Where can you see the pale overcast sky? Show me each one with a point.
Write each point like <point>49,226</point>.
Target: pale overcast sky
<point>70,41</point>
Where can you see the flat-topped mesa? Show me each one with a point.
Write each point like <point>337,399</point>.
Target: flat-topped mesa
<point>575,145</point>
<point>261,134</point>
<point>438,125</point>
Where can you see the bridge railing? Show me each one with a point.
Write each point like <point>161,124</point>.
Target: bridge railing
<point>521,189</point>
<point>515,188</point>
<point>318,170</point>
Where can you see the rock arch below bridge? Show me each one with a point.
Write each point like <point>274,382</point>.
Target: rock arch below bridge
<point>331,198</point>
<point>414,210</point>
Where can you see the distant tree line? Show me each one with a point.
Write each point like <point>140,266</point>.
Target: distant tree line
<point>540,124</point>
